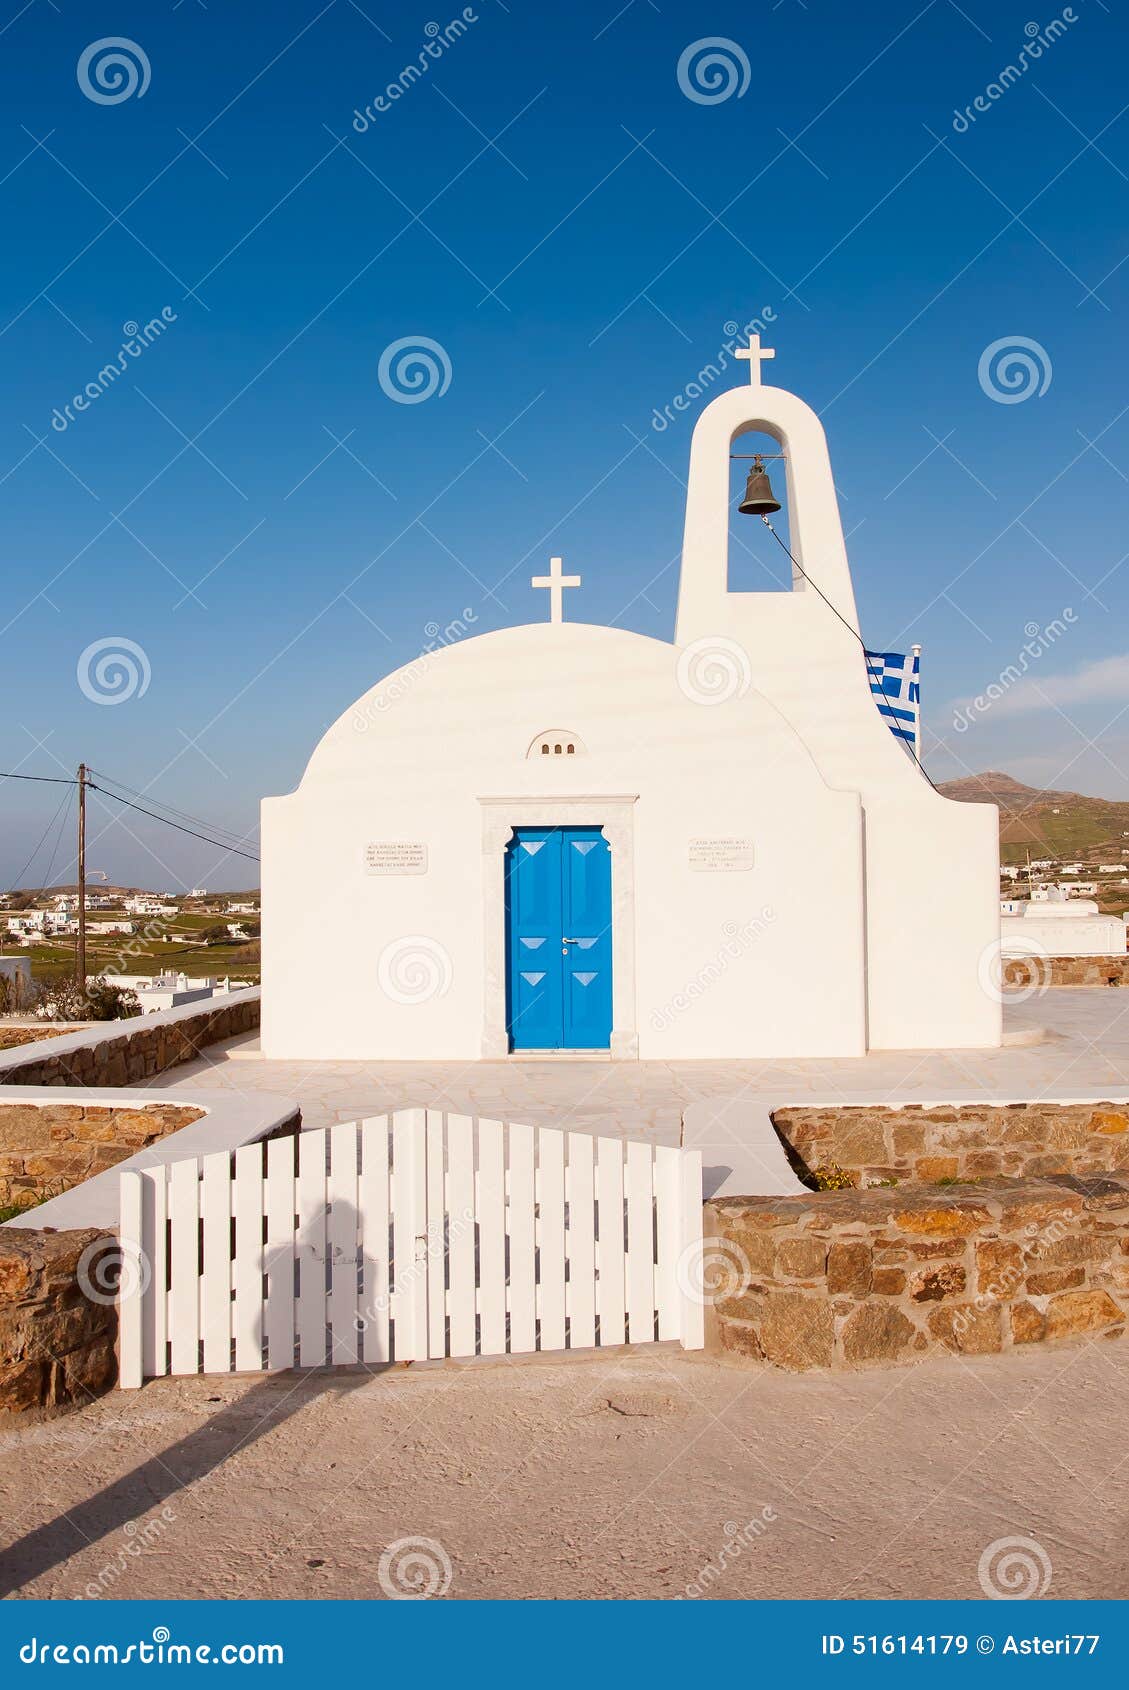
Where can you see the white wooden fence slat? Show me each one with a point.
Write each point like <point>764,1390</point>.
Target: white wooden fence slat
<point>372,1202</point>
<point>248,1207</point>
<point>522,1296</point>
<point>135,1271</point>
<point>581,1242</point>
<point>640,1245</point>
<point>184,1300</point>
<point>609,1253</point>
<point>436,1236</point>
<point>310,1249</point>
<point>409,1229</point>
<point>279,1312</point>
<point>668,1205</point>
<point>693,1307</point>
<point>215,1197</point>
<point>460,1210</point>
<point>503,1237</point>
<point>341,1238</point>
<point>551,1237</point>
<point>491,1238</point>
<point>155,1244</point>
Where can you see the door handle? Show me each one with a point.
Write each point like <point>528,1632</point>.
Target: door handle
<point>565,941</point>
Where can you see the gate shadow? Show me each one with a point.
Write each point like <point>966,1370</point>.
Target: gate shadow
<point>235,1427</point>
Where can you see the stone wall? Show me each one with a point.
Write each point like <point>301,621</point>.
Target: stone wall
<point>853,1279</point>
<point>875,1145</point>
<point>56,1344</point>
<point>120,1053</point>
<point>47,1148</point>
<point>1044,971</point>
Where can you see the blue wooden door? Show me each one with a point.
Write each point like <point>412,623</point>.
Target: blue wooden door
<point>559,939</point>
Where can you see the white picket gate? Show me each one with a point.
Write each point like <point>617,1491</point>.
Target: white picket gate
<point>405,1237</point>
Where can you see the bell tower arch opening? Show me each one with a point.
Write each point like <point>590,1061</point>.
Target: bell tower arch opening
<point>759,487</point>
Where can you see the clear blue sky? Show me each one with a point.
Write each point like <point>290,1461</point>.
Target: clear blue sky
<point>547,204</point>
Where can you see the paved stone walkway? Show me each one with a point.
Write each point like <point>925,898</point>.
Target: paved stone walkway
<point>1068,1042</point>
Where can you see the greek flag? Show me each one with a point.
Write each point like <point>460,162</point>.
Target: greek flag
<point>895,681</point>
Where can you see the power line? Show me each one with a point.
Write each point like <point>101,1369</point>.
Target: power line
<point>220,844</point>
<point>181,815</point>
<point>53,780</point>
<point>851,629</point>
<point>19,878</point>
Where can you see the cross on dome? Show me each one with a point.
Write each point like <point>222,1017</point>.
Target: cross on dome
<point>754,352</point>
<point>555,582</point>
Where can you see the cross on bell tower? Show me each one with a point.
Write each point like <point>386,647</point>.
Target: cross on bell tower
<point>755,354</point>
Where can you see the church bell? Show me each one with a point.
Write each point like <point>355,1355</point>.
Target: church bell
<point>759,499</point>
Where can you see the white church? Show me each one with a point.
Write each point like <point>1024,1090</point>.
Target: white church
<point>563,838</point>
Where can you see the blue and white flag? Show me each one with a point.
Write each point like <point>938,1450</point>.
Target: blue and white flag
<point>895,681</point>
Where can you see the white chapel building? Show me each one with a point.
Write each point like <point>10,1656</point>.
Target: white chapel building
<point>565,838</point>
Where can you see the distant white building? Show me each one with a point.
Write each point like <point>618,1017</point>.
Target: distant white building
<point>1113,868</point>
<point>1060,926</point>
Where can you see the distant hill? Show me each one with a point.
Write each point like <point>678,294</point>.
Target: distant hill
<point>1048,824</point>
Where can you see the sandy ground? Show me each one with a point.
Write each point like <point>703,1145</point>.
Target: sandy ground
<point>620,1475</point>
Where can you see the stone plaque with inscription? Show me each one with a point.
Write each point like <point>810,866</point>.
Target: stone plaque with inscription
<point>728,855</point>
<point>396,856</point>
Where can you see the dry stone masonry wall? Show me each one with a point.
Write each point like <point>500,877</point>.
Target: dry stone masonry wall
<point>876,1145</point>
<point>48,1148</point>
<point>853,1279</point>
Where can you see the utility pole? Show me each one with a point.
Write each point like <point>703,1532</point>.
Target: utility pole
<point>80,948</point>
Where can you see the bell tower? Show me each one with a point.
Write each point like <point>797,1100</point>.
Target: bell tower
<point>705,604</point>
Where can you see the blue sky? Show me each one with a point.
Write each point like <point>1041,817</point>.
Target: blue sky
<point>249,507</point>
